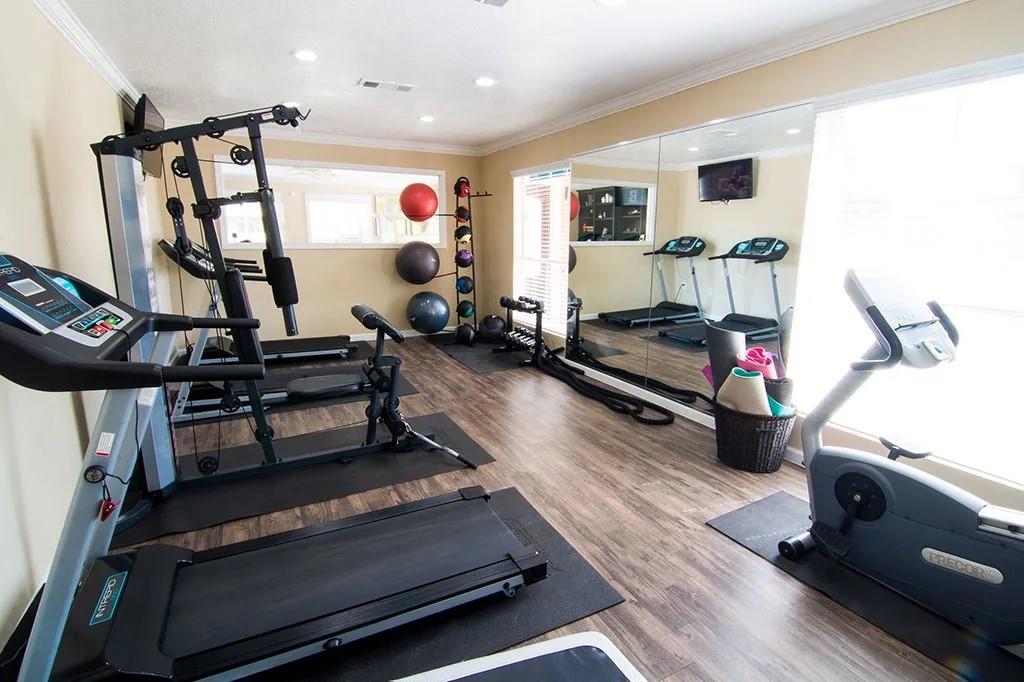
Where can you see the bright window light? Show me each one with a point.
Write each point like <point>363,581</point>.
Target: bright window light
<point>930,188</point>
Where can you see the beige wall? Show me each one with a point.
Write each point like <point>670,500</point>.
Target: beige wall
<point>332,280</point>
<point>55,105</point>
<point>975,31</point>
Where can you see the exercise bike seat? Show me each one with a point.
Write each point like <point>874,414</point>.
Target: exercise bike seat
<point>897,451</point>
<point>323,387</point>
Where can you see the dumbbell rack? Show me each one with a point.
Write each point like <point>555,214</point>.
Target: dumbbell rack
<point>471,296</point>
<point>523,338</point>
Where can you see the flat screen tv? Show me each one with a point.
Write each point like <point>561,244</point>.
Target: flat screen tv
<point>726,181</point>
<point>148,119</point>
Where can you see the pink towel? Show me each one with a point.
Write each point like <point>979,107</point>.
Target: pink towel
<point>757,359</point>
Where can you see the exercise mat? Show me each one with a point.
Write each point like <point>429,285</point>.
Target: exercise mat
<point>480,357</point>
<point>572,590</point>
<point>760,526</point>
<point>204,506</point>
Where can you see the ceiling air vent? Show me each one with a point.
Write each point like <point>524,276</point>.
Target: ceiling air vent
<point>384,85</point>
<point>495,3</point>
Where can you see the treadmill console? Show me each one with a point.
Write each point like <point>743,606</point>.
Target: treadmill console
<point>759,248</point>
<point>683,247</point>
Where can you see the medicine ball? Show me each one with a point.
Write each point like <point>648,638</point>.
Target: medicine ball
<point>418,202</point>
<point>462,214</point>
<point>465,334</point>
<point>464,309</point>
<point>491,328</point>
<point>463,233</point>
<point>464,258</point>
<point>464,284</point>
<point>417,262</point>
<point>572,258</point>
<point>462,188</point>
<point>427,312</point>
<point>574,205</point>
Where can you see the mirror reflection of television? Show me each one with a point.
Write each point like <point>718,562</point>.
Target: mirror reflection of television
<point>147,118</point>
<point>726,181</point>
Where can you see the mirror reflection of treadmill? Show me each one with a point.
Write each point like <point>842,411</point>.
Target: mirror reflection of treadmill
<point>667,310</point>
<point>768,250</point>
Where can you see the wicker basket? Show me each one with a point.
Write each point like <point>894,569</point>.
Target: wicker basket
<point>751,442</point>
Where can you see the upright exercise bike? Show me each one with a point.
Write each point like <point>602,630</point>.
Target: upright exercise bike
<point>917,534</point>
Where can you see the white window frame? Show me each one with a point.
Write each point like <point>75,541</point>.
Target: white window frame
<point>652,211</point>
<point>442,207</point>
<point>554,321</point>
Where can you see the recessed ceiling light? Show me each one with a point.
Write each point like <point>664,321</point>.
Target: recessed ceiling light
<point>793,131</point>
<point>731,134</point>
<point>304,55</point>
<point>694,149</point>
<point>485,82</point>
<point>611,3</point>
<point>716,120</point>
<point>293,105</point>
<point>426,118</point>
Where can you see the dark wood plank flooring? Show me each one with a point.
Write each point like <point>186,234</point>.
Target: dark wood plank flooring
<point>633,500</point>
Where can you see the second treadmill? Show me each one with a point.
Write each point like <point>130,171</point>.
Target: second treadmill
<point>667,310</point>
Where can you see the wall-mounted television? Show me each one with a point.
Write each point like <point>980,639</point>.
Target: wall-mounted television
<point>726,181</point>
<point>146,118</point>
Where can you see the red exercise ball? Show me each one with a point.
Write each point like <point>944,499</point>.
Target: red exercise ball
<point>418,202</point>
<point>574,205</point>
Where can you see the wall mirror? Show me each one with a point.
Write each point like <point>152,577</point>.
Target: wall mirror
<point>735,188</point>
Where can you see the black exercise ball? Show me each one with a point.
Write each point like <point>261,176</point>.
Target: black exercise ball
<point>572,258</point>
<point>464,309</point>
<point>417,262</point>
<point>427,312</point>
<point>491,328</point>
<point>465,334</point>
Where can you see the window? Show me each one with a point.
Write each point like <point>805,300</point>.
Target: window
<point>930,187</point>
<point>541,225</point>
<point>322,205</point>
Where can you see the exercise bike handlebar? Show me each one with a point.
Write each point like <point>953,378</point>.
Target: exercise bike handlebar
<point>371,319</point>
<point>947,324</point>
<point>893,352</point>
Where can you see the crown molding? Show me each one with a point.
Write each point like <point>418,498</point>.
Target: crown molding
<point>65,21</point>
<point>818,36</point>
<point>778,153</point>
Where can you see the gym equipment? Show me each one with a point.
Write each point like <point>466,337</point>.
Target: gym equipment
<point>418,202</point>
<point>427,312</point>
<point>462,188</point>
<point>667,310</point>
<point>197,261</point>
<point>165,612</point>
<point>574,205</point>
<point>768,250</point>
<point>463,233</point>
<point>919,535</point>
<point>461,214</point>
<point>464,258</point>
<point>572,259</point>
<point>417,262</point>
<point>464,284</point>
<point>522,338</point>
<point>491,328</point>
<point>465,334</point>
<point>464,309</point>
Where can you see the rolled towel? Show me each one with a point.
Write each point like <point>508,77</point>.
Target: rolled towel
<point>757,359</point>
<point>781,390</point>
<point>723,347</point>
<point>744,391</point>
<point>780,410</point>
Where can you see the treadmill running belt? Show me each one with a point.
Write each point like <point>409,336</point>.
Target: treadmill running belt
<point>304,344</point>
<point>231,598</point>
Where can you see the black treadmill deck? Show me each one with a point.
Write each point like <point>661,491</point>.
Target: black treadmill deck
<point>666,311</point>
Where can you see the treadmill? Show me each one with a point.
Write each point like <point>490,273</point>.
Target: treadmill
<point>165,612</point>
<point>197,261</point>
<point>667,310</point>
<point>768,250</point>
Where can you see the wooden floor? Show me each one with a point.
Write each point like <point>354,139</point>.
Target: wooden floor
<point>663,359</point>
<point>633,500</point>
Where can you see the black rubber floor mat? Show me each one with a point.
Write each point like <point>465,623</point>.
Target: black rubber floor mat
<point>760,526</point>
<point>678,345</point>
<point>599,350</point>
<point>479,357</point>
<point>201,507</point>
<point>572,590</point>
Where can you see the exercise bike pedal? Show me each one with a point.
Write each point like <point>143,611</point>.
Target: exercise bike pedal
<point>830,540</point>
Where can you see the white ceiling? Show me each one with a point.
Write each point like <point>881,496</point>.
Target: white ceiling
<point>767,133</point>
<point>556,62</point>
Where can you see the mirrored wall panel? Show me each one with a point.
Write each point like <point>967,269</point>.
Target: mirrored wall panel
<point>720,241</point>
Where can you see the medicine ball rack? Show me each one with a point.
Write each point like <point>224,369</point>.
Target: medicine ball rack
<point>464,196</point>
